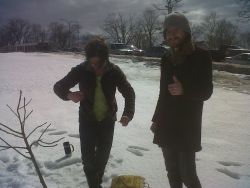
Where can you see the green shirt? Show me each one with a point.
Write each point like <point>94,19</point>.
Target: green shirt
<point>100,104</point>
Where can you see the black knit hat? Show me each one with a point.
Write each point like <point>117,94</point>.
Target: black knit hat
<point>178,20</point>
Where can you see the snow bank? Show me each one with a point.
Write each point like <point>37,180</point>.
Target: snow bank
<point>223,162</point>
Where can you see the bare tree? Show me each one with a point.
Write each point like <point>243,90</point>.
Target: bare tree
<point>37,34</point>
<point>168,5</point>
<point>22,115</point>
<point>110,27</point>
<point>75,34</point>
<point>119,28</point>
<point>126,26</point>
<point>17,31</point>
<point>217,31</point>
<point>197,31</point>
<point>140,38</point>
<point>208,26</point>
<point>4,38</point>
<point>150,25</point>
<point>73,28</point>
<point>226,33</point>
<point>59,34</point>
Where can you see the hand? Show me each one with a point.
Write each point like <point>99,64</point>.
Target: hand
<point>124,121</point>
<point>176,88</point>
<point>76,96</point>
<point>153,127</point>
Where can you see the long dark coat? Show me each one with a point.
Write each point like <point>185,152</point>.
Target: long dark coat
<point>179,118</point>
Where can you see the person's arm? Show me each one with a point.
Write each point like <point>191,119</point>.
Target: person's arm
<point>201,88</point>
<point>128,93</point>
<point>63,86</point>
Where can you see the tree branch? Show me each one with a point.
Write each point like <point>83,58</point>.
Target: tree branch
<point>158,8</point>
<point>48,143</point>
<point>26,104</point>
<point>10,129</point>
<point>21,115</point>
<point>39,139</point>
<point>10,133</point>
<point>12,110</point>
<point>44,131</point>
<point>24,111</point>
<point>18,114</point>
<point>36,129</point>
<point>15,149</point>
<point>29,114</point>
<point>33,143</point>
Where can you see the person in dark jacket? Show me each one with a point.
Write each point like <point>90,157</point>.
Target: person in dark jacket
<point>98,80</point>
<point>186,81</point>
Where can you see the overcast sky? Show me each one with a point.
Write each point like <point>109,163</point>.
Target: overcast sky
<point>91,13</point>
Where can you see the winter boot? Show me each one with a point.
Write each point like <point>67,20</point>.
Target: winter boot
<point>92,179</point>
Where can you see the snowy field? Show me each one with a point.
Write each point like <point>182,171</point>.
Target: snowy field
<point>224,161</point>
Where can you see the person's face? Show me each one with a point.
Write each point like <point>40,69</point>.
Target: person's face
<point>174,37</point>
<point>96,64</point>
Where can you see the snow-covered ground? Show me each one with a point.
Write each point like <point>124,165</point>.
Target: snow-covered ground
<point>224,161</point>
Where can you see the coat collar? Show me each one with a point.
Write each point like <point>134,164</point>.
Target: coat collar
<point>107,66</point>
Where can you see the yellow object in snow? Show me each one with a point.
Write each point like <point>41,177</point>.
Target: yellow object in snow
<point>128,182</point>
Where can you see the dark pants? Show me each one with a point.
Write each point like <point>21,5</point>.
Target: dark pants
<point>181,168</point>
<point>96,142</point>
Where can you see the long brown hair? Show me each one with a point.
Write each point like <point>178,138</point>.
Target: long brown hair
<point>97,48</point>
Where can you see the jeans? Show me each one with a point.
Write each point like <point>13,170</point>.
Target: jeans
<point>181,168</point>
<point>96,142</point>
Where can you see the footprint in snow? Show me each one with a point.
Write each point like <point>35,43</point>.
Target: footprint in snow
<point>58,133</point>
<point>57,165</point>
<point>119,160</point>
<point>137,150</point>
<point>4,158</point>
<point>74,135</point>
<point>114,162</point>
<point>113,165</point>
<point>229,173</point>
<point>229,163</point>
<point>48,130</point>
<point>13,167</point>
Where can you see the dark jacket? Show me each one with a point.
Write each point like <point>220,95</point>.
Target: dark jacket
<point>179,117</point>
<point>112,78</point>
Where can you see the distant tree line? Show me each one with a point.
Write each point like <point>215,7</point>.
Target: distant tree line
<point>60,35</point>
<point>143,30</point>
<point>217,31</point>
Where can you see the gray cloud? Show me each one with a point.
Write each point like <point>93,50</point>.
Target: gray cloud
<point>196,10</point>
<point>91,13</point>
